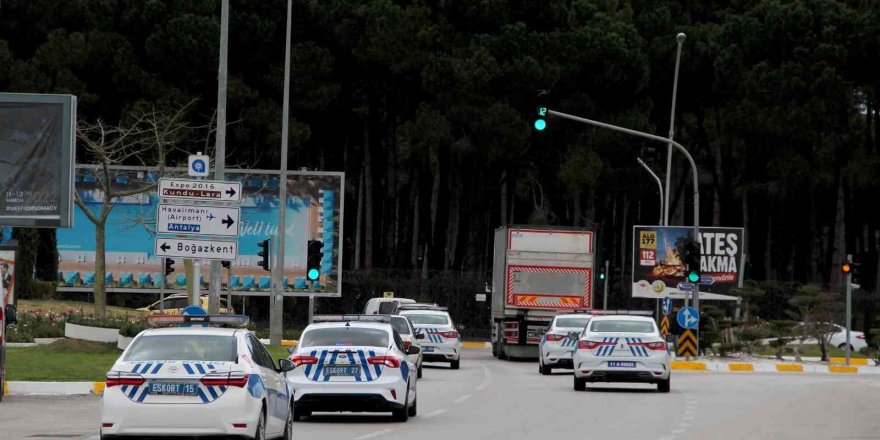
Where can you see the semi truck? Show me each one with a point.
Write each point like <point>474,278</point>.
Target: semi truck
<point>537,273</point>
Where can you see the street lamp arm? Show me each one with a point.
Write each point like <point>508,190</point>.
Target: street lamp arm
<point>659,185</point>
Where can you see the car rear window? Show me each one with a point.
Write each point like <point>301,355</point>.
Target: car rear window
<point>213,348</point>
<point>345,337</point>
<point>428,319</point>
<point>572,322</point>
<point>622,326</point>
<point>400,325</point>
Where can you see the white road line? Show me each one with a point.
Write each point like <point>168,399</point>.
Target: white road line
<point>461,399</point>
<point>434,413</point>
<point>487,377</point>
<point>374,434</point>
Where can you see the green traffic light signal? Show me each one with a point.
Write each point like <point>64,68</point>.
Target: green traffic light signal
<point>540,124</point>
<point>313,274</point>
<point>693,277</point>
<point>601,276</point>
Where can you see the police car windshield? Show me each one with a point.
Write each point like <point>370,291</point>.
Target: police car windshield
<point>345,337</point>
<point>621,326</point>
<point>212,348</point>
<point>572,322</point>
<point>428,319</point>
<point>400,325</point>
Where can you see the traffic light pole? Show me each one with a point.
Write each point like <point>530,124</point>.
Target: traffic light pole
<point>696,182</point>
<point>605,295</point>
<point>162,288</point>
<point>215,278</point>
<point>848,307</point>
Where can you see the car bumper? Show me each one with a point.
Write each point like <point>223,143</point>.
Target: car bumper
<point>122,416</point>
<point>441,352</point>
<point>645,370</point>
<point>383,394</point>
<point>557,357</point>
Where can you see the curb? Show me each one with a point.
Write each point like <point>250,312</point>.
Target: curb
<point>22,388</point>
<point>468,344</point>
<point>785,368</point>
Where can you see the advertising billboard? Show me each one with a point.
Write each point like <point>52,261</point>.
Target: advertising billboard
<point>658,271</point>
<point>314,213</point>
<point>37,148</point>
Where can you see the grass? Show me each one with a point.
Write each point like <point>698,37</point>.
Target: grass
<point>278,352</point>
<point>57,306</point>
<point>65,360</point>
<point>809,351</point>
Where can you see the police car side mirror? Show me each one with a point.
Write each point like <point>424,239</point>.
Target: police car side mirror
<point>285,365</point>
<point>11,314</point>
<point>291,348</point>
<point>420,336</point>
<point>413,350</point>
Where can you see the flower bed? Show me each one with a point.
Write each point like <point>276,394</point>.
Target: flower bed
<point>37,324</point>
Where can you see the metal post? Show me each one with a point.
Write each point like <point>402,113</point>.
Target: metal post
<point>277,303</point>
<point>680,40</point>
<point>220,153</point>
<point>229,288</point>
<point>848,308</point>
<point>196,299</point>
<point>605,295</point>
<point>659,187</point>
<point>162,287</point>
<point>311,308</point>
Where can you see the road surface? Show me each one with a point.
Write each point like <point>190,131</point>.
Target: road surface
<point>491,399</point>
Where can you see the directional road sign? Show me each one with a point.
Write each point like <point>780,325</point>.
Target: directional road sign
<point>198,220</point>
<point>664,325</point>
<point>205,190</point>
<point>196,249</point>
<point>688,318</point>
<point>687,344</point>
<point>686,287</point>
<point>707,280</point>
<point>667,306</point>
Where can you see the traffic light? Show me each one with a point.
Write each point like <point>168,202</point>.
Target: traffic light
<point>851,268</point>
<point>846,267</point>
<point>602,275</point>
<point>264,254</point>
<point>691,261</point>
<point>315,254</point>
<point>541,120</point>
<point>169,266</point>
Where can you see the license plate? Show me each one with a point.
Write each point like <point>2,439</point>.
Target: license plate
<point>621,364</point>
<point>427,349</point>
<point>353,370</point>
<point>173,389</point>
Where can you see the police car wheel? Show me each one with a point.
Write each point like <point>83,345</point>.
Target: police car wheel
<point>261,427</point>
<point>420,372</point>
<point>545,370</point>
<point>298,414</point>
<point>663,386</point>
<point>454,364</point>
<point>413,410</point>
<point>580,384</point>
<point>288,425</point>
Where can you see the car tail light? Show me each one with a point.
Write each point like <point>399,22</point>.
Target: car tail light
<point>106,425</point>
<point>239,425</point>
<point>554,338</point>
<point>388,361</point>
<point>394,394</point>
<point>120,379</point>
<point>592,345</point>
<point>225,380</point>
<point>660,345</point>
<point>860,336</point>
<point>303,360</point>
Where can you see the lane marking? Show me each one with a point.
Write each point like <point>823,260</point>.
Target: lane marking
<point>487,378</point>
<point>461,399</point>
<point>434,413</point>
<point>375,434</point>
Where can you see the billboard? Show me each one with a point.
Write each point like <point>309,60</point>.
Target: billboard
<point>37,149</point>
<point>657,268</point>
<point>314,211</point>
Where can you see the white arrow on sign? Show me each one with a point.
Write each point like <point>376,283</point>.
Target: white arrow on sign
<point>205,190</point>
<point>196,249</point>
<point>198,220</point>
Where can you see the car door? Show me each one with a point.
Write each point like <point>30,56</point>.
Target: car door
<point>276,388</point>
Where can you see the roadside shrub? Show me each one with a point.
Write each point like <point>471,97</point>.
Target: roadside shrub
<point>131,328</point>
<point>724,349</point>
<point>35,289</point>
<point>36,324</point>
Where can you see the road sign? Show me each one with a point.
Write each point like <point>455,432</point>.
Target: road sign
<point>688,317</point>
<point>664,325</point>
<point>199,165</point>
<point>388,294</point>
<point>198,220</point>
<point>667,306</point>
<point>481,297</point>
<point>205,190</point>
<point>686,286</point>
<point>196,249</point>
<point>707,280</point>
<point>687,344</point>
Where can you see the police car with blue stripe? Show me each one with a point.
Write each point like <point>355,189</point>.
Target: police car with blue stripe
<point>436,332</point>
<point>622,346</point>
<point>195,377</point>
<point>354,363</point>
<point>560,341</point>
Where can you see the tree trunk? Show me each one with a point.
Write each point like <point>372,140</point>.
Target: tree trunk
<point>435,201</point>
<point>416,209</point>
<point>454,208</point>
<point>100,289</point>
<point>359,228</point>
<point>839,240</point>
<point>503,198</point>
<point>368,187</point>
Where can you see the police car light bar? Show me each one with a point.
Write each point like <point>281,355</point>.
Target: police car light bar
<point>348,318</point>
<point>216,320</point>
<point>422,307</point>
<point>621,312</point>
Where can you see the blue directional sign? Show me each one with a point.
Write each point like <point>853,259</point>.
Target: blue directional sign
<point>686,286</point>
<point>707,280</point>
<point>688,318</point>
<point>193,311</point>
<point>667,306</point>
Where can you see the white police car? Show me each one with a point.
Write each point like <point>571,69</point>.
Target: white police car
<point>353,363</point>
<point>440,342</point>
<point>197,381</point>
<point>408,333</point>
<point>560,341</point>
<point>622,347</point>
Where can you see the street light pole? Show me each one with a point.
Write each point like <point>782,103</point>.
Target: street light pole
<point>277,299</point>
<point>680,40</point>
<point>659,186</point>
<point>848,308</point>
<point>220,153</point>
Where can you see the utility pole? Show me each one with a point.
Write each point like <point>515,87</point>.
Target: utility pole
<point>277,303</point>
<point>679,39</point>
<point>220,153</point>
<point>605,295</point>
<point>848,305</point>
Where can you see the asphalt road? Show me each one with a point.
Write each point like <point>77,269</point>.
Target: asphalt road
<point>490,399</point>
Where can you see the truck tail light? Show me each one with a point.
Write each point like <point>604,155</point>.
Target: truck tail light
<point>388,361</point>
<point>303,360</point>
<point>225,380</point>
<point>554,338</point>
<point>120,379</point>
